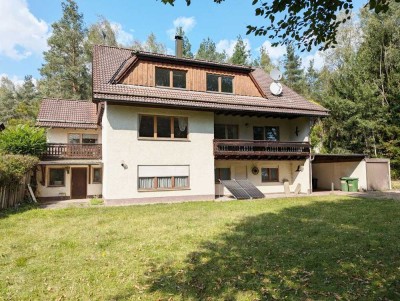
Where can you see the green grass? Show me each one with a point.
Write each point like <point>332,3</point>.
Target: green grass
<point>96,201</point>
<point>309,248</point>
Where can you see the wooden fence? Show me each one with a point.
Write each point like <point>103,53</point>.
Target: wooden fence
<point>11,195</point>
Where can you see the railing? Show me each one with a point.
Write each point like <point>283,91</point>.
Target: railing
<point>259,148</point>
<point>72,151</point>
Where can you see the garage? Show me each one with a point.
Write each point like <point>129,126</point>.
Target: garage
<point>372,174</point>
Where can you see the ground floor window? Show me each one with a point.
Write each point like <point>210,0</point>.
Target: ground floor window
<point>269,175</point>
<point>56,177</point>
<point>222,174</point>
<point>97,175</point>
<point>162,177</point>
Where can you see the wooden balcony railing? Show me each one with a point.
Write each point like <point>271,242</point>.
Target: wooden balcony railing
<point>260,149</point>
<point>72,151</point>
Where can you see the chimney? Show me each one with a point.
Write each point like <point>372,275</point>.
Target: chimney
<point>178,46</point>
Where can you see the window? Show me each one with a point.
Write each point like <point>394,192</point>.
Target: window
<point>78,138</point>
<point>219,83</point>
<point>270,133</point>
<point>167,127</point>
<point>97,175</point>
<point>163,177</point>
<point>56,177</point>
<point>89,138</point>
<point>269,175</point>
<point>226,131</point>
<point>170,78</point>
<point>222,174</point>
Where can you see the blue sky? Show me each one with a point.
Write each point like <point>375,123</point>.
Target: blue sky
<point>26,25</point>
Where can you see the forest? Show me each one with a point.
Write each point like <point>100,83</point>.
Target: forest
<point>359,81</point>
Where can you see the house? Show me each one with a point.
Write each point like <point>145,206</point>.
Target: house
<point>164,127</point>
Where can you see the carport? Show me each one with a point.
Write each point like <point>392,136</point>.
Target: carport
<point>372,174</point>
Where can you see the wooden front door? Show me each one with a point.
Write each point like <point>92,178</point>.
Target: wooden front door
<point>78,183</point>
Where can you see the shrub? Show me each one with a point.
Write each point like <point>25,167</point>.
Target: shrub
<point>23,140</point>
<point>14,167</point>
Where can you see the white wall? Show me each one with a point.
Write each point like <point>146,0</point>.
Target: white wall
<point>328,173</point>
<point>46,191</point>
<point>287,170</point>
<point>287,127</point>
<point>60,135</point>
<point>121,143</point>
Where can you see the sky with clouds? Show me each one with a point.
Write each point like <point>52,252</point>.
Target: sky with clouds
<point>26,24</point>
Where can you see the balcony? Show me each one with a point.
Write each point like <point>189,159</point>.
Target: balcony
<point>72,151</point>
<point>260,150</point>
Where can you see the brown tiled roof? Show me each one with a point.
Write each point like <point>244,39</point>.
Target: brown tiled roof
<point>67,114</point>
<point>109,61</point>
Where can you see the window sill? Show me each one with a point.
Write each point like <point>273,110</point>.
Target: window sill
<point>163,139</point>
<point>52,186</point>
<point>163,189</point>
<point>171,88</point>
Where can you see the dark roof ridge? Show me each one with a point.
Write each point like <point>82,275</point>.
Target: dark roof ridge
<point>66,99</point>
<point>170,56</point>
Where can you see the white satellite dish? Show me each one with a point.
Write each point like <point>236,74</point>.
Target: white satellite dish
<point>275,88</point>
<point>276,74</point>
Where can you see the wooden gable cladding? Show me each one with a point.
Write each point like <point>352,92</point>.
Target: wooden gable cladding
<point>143,74</point>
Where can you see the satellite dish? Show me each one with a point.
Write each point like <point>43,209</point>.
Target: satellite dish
<point>276,74</point>
<point>275,88</point>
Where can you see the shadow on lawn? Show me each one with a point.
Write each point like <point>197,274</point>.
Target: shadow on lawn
<point>327,250</point>
<point>4,213</point>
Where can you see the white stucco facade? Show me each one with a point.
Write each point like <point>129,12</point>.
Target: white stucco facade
<point>124,152</point>
<point>60,135</point>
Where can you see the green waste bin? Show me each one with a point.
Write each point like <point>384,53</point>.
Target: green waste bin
<point>343,184</point>
<point>353,184</point>
<point>349,184</point>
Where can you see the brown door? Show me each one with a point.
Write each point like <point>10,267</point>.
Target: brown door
<point>78,183</point>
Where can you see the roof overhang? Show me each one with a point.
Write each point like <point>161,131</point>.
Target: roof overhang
<point>337,158</point>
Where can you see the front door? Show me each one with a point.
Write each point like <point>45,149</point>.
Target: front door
<point>78,183</point>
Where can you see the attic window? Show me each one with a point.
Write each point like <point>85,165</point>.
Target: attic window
<point>219,83</point>
<point>170,78</point>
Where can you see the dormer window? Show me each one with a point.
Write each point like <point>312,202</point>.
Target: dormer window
<point>170,78</point>
<point>219,83</point>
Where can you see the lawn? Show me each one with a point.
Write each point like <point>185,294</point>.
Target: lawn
<point>307,248</point>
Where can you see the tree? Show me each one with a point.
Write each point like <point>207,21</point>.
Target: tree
<point>23,140</point>
<point>208,51</point>
<point>27,106</point>
<point>293,75</point>
<point>306,23</point>
<point>7,99</point>
<point>151,45</point>
<point>65,73</point>
<point>99,33</point>
<point>264,61</point>
<point>187,47</point>
<point>240,54</point>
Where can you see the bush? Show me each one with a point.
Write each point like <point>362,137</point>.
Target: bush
<point>23,140</point>
<point>14,167</point>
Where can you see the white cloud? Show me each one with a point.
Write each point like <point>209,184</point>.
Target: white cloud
<point>22,34</point>
<point>275,53</point>
<point>18,81</point>
<point>229,46</point>
<point>123,37</point>
<point>318,60</point>
<point>187,24</point>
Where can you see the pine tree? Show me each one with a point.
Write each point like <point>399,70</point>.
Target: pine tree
<point>264,61</point>
<point>293,75</point>
<point>240,55</point>
<point>99,33</point>
<point>187,47</point>
<point>208,51</point>
<point>28,98</point>
<point>151,45</point>
<point>7,99</point>
<point>64,73</point>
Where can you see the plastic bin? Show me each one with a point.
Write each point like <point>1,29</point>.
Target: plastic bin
<point>353,184</point>
<point>343,184</point>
